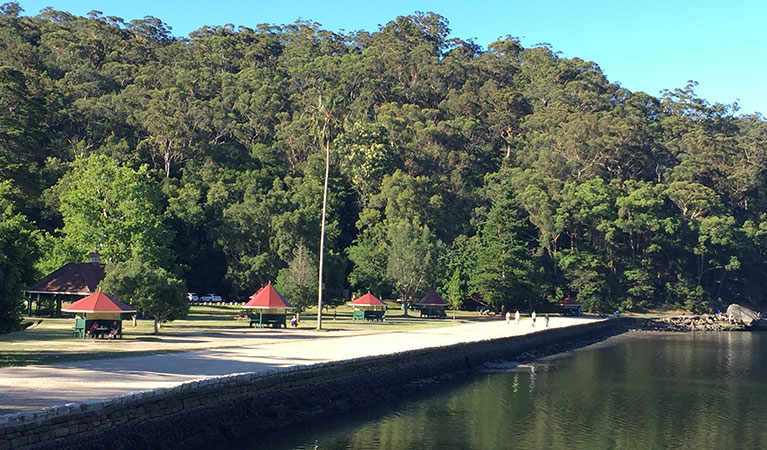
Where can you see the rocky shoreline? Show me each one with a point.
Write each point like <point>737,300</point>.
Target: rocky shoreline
<point>705,322</point>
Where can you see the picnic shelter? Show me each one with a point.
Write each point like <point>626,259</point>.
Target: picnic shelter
<point>269,307</point>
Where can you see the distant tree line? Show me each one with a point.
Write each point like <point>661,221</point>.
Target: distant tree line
<point>509,175</point>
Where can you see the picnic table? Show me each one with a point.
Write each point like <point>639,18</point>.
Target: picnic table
<point>268,319</point>
<point>366,314</point>
<point>103,328</point>
<point>438,313</point>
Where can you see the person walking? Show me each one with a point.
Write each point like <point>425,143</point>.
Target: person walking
<point>546,319</point>
<point>508,317</point>
<point>516,317</point>
<point>533,316</point>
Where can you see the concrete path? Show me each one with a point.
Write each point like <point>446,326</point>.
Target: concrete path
<point>38,387</point>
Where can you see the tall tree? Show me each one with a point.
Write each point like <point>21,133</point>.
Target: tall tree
<point>504,270</point>
<point>413,252</point>
<point>325,110</point>
<point>112,208</point>
<point>454,293</point>
<point>18,252</point>
<point>297,281</point>
<point>149,288</point>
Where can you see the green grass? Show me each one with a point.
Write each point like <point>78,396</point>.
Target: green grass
<point>51,340</point>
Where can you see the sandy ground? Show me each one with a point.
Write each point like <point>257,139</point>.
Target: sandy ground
<point>38,387</point>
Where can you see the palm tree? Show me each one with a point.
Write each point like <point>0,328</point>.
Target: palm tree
<point>325,111</point>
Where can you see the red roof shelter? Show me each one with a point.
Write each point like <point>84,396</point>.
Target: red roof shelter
<point>368,307</point>
<point>569,302</point>
<point>432,299</point>
<point>432,305</point>
<point>571,306</point>
<point>272,307</point>
<point>267,298</point>
<point>103,315</point>
<point>98,302</point>
<point>367,300</point>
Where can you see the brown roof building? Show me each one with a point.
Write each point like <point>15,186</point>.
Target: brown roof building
<point>67,283</point>
<point>70,279</point>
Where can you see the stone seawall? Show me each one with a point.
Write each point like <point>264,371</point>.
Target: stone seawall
<point>207,413</point>
<point>706,322</point>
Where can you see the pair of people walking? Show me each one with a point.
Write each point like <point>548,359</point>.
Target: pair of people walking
<point>532,316</point>
<point>545,319</point>
<point>508,317</point>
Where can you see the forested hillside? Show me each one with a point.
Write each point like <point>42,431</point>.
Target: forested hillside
<point>508,174</point>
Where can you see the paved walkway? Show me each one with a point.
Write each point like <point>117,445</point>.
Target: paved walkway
<point>37,387</point>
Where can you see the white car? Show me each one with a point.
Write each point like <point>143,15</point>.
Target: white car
<point>212,298</point>
<point>192,297</point>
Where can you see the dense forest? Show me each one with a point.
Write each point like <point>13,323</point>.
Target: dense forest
<point>508,175</point>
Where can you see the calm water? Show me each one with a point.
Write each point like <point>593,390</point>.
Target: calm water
<point>638,391</point>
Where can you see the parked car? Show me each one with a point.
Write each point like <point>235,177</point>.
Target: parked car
<point>212,298</point>
<point>192,297</point>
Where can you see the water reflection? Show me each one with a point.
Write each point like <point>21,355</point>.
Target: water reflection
<point>686,391</point>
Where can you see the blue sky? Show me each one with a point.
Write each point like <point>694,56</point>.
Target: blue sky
<point>643,45</point>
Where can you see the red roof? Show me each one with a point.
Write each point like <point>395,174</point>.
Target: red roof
<point>98,302</point>
<point>267,297</point>
<point>71,278</point>
<point>432,299</point>
<point>569,301</point>
<point>367,300</point>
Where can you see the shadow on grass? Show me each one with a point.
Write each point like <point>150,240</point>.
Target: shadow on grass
<point>23,358</point>
<point>166,339</point>
<point>39,335</point>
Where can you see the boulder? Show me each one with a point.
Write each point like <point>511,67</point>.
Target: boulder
<point>743,314</point>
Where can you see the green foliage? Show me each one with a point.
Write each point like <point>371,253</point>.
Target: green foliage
<point>114,209</point>
<point>369,256</point>
<point>148,288</point>
<point>503,260</point>
<point>298,281</point>
<point>455,291</point>
<point>588,276</point>
<point>18,251</point>
<point>365,157</point>
<point>541,176</point>
<point>412,255</point>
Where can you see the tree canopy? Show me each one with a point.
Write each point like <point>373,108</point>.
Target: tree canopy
<point>152,290</point>
<point>519,174</point>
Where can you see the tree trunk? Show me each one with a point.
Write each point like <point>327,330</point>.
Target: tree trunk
<point>322,235</point>
<point>156,325</point>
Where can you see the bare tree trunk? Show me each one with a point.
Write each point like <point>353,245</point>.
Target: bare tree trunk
<point>322,235</point>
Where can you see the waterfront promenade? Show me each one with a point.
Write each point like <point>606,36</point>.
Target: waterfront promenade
<point>36,387</point>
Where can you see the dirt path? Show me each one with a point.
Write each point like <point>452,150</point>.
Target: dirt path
<point>37,387</point>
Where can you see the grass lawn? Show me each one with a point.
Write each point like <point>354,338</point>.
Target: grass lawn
<point>206,327</point>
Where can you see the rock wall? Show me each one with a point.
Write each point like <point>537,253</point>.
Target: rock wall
<point>708,322</point>
<point>208,413</point>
